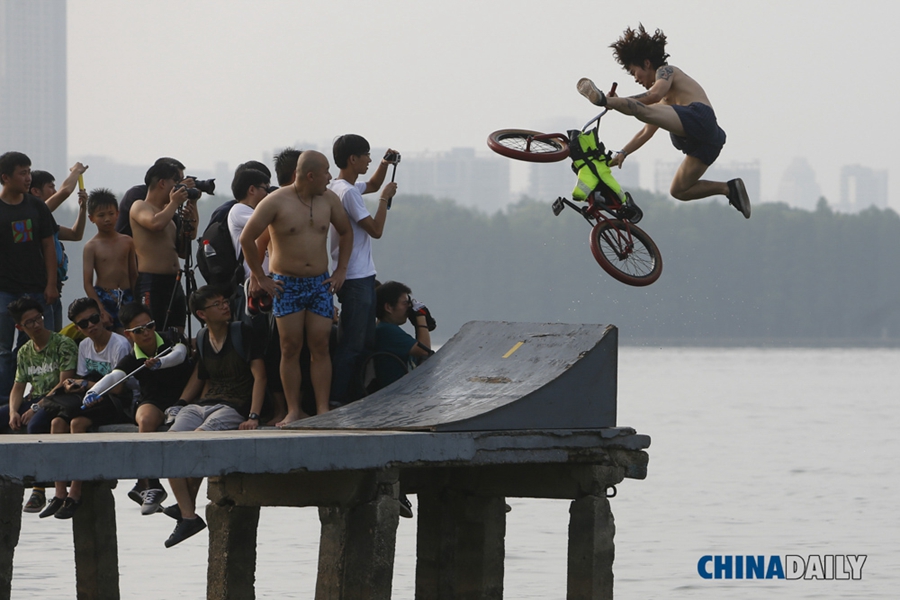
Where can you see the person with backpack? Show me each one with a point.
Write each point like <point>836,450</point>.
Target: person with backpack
<point>219,256</point>
<point>225,392</point>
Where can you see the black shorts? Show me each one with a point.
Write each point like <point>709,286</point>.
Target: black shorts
<point>704,138</point>
<point>158,293</point>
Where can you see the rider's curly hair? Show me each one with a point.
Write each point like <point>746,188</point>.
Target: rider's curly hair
<point>636,46</point>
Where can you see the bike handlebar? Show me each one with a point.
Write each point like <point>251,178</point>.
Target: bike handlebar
<point>596,119</point>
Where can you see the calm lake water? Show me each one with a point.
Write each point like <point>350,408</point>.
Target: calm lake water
<point>762,452</point>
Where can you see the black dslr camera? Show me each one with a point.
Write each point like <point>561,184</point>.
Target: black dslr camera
<point>430,323</point>
<point>200,186</point>
<point>192,193</point>
<point>205,185</point>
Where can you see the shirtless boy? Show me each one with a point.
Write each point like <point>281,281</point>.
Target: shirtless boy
<point>156,246</point>
<point>676,103</point>
<point>298,217</point>
<point>111,255</point>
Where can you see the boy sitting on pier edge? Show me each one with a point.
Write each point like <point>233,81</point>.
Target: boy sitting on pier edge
<point>160,383</point>
<point>226,391</point>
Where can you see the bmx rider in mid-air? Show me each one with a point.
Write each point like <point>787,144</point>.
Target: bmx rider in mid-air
<point>676,103</point>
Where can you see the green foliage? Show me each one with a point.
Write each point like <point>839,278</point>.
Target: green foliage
<point>786,276</point>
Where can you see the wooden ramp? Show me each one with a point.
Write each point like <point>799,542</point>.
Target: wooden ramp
<point>498,376</point>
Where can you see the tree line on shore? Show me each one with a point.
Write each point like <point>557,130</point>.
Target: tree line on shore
<point>785,277</point>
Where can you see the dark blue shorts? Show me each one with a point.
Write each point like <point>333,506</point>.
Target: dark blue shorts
<point>113,300</point>
<point>303,293</point>
<point>704,138</point>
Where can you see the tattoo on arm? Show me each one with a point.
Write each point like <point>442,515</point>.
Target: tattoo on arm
<point>639,96</point>
<point>665,72</point>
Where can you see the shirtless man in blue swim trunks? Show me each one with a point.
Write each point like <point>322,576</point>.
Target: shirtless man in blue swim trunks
<point>674,102</point>
<point>298,217</point>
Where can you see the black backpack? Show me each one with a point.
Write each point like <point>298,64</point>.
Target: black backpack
<point>222,268</point>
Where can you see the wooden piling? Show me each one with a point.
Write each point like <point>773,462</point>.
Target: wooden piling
<point>96,546</point>
<point>12,493</point>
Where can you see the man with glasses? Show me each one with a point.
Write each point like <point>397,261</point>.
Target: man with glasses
<point>161,383</point>
<point>225,392</point>
<point>45,361</point>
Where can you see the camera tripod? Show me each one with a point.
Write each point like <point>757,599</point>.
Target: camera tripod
<point>184,230</point>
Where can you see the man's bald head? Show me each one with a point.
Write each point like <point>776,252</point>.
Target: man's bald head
<point>309,162</point>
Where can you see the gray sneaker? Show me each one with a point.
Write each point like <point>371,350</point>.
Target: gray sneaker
<point>152,501</point>
<point>587,89</point>
<point>738,198</point>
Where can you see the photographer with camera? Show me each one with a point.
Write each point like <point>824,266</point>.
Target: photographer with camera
<point>356,329</point>
<point>396,306</point>
<point>139,192</point>
<point>157,243</point>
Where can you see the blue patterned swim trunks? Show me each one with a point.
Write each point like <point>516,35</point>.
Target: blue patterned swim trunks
<point>303,293</point>
<point>112,301</point>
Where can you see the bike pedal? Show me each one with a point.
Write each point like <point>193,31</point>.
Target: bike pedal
<point>558,206</point>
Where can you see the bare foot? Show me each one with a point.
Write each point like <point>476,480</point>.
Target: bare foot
<point>276,419</point>
<point>291,417</point>
<point>587,89</point>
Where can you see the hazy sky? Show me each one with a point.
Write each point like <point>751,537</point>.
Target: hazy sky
<point>228,80</point>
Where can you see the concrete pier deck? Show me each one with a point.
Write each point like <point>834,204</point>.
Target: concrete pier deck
<point>503,410</point>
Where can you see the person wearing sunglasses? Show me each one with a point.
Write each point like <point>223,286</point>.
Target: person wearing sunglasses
<point>98,354</point>
<point>161,383</point>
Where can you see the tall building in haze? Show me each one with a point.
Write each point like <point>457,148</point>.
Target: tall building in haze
<point>33,82</point>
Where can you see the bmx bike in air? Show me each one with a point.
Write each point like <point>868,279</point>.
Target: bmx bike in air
<point>621,248</point>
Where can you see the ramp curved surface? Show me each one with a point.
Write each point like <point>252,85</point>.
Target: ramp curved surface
<point>495,375</point>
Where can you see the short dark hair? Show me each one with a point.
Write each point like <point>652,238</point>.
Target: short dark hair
<point>18,307</point>
<point>246,178</point>
<point>80,305</point>
<point>41,178</point>
<point>286,165</point>
<point>202,296</point>
<point>253,164</point>
<point>171,161</point>
<point>161,171</point>
<point>129,312</point>
<point>10,161</point>
<point>101,198</point>
<point>389,292</point>
<point>636,45</point>
<point>346,146</point>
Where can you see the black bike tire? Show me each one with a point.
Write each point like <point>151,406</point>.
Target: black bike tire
<point>646,253</point>
<point>510,143</point>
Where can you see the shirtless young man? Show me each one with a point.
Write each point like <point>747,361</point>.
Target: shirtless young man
<point>111,254</point>
<point>676,103</point>
<point>156,245</point>
<point>298,217</point>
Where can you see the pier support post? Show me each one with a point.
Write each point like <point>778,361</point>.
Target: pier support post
<point>356,551</point>
<point>11,496</point>
<point>591,549</point>
<point>96,547</point>
<point>460,545</point>
<point>232,551</point>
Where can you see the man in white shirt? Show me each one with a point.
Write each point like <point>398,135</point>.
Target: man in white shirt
<point>356,330</point>
<point>249,187</point>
